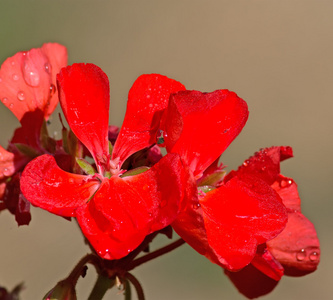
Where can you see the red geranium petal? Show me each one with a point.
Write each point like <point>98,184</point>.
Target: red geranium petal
<point>164,187</point>
<point>147,99</point>
<point>45,185</point>
<point>297,246</point>
<point>240,215</point>
<point>251,282</point>
<point>57,57</point>
<point>125,210</point>
<point>200,126</point>
<point>287,189</point>
<point>84,98</point>
<point>191,227</point>
<point>265,163</point>
<point>7,165</point>
<point>27,82</point>
<point>266,263</point>
<point>115,221</point>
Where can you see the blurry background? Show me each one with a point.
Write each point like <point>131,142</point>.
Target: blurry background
<point>277,55</point>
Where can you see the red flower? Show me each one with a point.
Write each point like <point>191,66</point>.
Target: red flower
<point>295,251</point>
<point>227,223</point>
<point>114,211</point>
<point>27,88</point>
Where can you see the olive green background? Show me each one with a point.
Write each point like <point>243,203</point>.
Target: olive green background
<point>277,55</point>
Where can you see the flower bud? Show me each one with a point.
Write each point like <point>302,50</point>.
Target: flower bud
<point>64,290</point>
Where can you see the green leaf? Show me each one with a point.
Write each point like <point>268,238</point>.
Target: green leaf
<point>85,166</point>
<point>135,171</point>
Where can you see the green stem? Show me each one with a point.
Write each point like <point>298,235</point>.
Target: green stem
<point>101,287</point>
<point>157,253</point>
<point>137,285</point>
<point>78,269</point>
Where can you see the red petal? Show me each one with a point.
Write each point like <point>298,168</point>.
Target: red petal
<point>251,282</point>
<point>7,165</point>
<point>27,82</point>
<point>240,215</point>
<point>57,59</point>
<point>266,263</point>
<point>287,190</point>
<point>265,164</point>
<point>297,246</point>
<point>164,188</point>
<point>147,99</point>
<point>84,98</point>
<point>108,221</point>
<point>45,185</point>
<point>125,210</point>
<point>200,126</point>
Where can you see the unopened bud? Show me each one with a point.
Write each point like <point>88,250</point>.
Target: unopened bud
<point>64,290</point>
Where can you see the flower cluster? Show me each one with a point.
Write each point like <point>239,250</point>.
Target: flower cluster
<point>121,189</point>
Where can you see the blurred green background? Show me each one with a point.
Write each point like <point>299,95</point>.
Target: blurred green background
<point>277,55</point>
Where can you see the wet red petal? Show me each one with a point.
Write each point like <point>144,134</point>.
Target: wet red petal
<point>287,189</point>
<point>57,59</point>
<point>297,246</point>
<point>27,82</point>
<point>45,185</point>
<point>84,98</point>
<point>127,209</point>
<point>266,263</point>
<point>147,99</point>
<point>265,163</point>
<point>7,166</point>
<point>163,188</point>
<point>116,220</point>
<point>240,215</point>
<point>200,126</point>
<point>251,282</point>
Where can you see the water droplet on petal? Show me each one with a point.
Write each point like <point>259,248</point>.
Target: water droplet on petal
<point>52,89</point>
<point>47,68</point>
<point>15,77</point>
<point>11,105</point>
<point>4,100</point>
<point>148,96</point>
<point>13,63</point>
<point>301,255</point>
<point>71,180</point>
<point>30,73</point>
<point>21,96</point>
<point>196,206</point>
<point>314,256</point>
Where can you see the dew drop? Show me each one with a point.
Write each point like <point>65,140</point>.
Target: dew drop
<point>314,256</point>
<point>52,89</point>
<point>13,63</point>
<point>30,74</point>
<point>71,180</point>
<point>11,105</point>
<point>4,100</point>
<point>47,68</point>
<point>301,255</point>
<point>196,206</point>
<point>246,163</point>
<point>285,183</point>
<point>21,96</point>
<point>15,77</point>
<point>150,105</point>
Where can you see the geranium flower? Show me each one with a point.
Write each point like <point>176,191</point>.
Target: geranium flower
<point>114,211</point>
<point>227,223</point>
<point>295,251</point>
<point>27,88</point>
